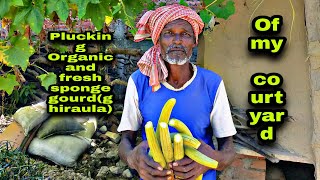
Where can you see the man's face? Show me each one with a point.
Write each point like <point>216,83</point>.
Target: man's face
<point>176,41</point>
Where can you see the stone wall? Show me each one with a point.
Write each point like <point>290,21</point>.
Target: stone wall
<point>226,52</point>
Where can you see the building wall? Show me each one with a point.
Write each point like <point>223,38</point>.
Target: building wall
<point>225,52</point>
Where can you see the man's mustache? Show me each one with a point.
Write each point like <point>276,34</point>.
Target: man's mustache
<point>176,48</point>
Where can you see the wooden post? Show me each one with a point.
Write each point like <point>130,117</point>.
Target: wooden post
<point>312,15</point>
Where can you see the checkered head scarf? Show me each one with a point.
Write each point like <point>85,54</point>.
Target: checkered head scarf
<point>151,25</point>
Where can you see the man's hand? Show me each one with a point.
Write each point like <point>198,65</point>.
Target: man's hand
<point>189,169</point>
<point>147,168</point>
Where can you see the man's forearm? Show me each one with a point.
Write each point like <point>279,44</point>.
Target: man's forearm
<point>224,155</point>
<point>226,144</point>
<point>126,146</point>
<point>226,152</point>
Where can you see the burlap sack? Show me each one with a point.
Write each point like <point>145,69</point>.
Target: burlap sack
<point>31,116</point>
<point>60,149</point>
<point>90,127</point>
<point>61,124</point>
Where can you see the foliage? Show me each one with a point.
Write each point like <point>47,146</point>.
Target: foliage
<point>23,95</point>
<point>8,83</point>
<point>20,97</point>
<point>19,52</point>
<point>219,8</point>
<point>26,17</point>
<point>48,79</point>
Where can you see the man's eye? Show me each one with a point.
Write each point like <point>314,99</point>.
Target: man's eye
<point>186,34</point>
<point>168,33</point>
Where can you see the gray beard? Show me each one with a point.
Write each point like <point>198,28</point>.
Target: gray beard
<point>177,61</point>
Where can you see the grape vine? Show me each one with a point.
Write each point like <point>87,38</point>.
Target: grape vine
<point>23,20</point>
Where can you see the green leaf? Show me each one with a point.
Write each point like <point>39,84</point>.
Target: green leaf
<point>47,79</point>
<point>50,6</point>
<point>21,16</point>
<point>82,6</point>
<point>97,12</point>
<point>183,2</point>
<point>134,8</point>
<point>61,48</point>
<point>151,6</point>
<point>31,14</point>
<point>60,6</point>
<point>35,20</point>
<point>16,3</point>
<point>35,4</point>
<point>216,3</point>
<point>39,4</point>
<point>162,4</point>
<point>95,1</point>
<point>8,83</point>
<point>20,52</point>
<point>133,31</point>
<point>12,12</point>
<point>4,7</point>
<point>205,16</point>
<point>224,11</point>
<point>21,28</point>
<point>116,8</point>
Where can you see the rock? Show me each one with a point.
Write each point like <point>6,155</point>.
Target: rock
<point>93,156</point>
<point>84,162</point>
<point>118,107</point>
<point>93,144</point>
<point>113,119</point>
<point>111,144</point>
<point>98,153</point>
<point>122,56</point>
<point>114,137</point>
<point>113,154</point>
<point>103,136</point>
<point>101,121</point>
<point>121,164</point>
<point>134,58</point>
<point>97,133</point>
<point>103,129</point>
<point>109,124</point>
<point>127,173</point>
<point>103,172</point>
<point>115,170</point>
<point>114,128</point>
<point>104,143</point>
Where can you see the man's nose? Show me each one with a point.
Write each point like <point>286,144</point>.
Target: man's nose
<point>177,38</point>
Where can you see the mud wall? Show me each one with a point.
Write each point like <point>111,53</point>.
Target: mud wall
<point>225,52</point>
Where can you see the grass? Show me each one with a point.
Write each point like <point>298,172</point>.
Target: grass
<point>17,165</point>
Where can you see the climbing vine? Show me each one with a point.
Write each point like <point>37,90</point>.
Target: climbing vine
<point>23,29</point>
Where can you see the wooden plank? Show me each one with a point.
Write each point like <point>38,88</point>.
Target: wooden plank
<point>312,16</point>
<point>246,151</point>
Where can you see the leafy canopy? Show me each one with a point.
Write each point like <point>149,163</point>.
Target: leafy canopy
<point>29,15</point>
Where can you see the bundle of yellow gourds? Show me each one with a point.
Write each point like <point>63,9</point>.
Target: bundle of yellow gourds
<point>160,142</point>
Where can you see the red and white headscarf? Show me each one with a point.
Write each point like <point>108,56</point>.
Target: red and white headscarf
<point>151,25</point>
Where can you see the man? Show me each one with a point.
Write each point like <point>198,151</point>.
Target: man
<point>165,72</point>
